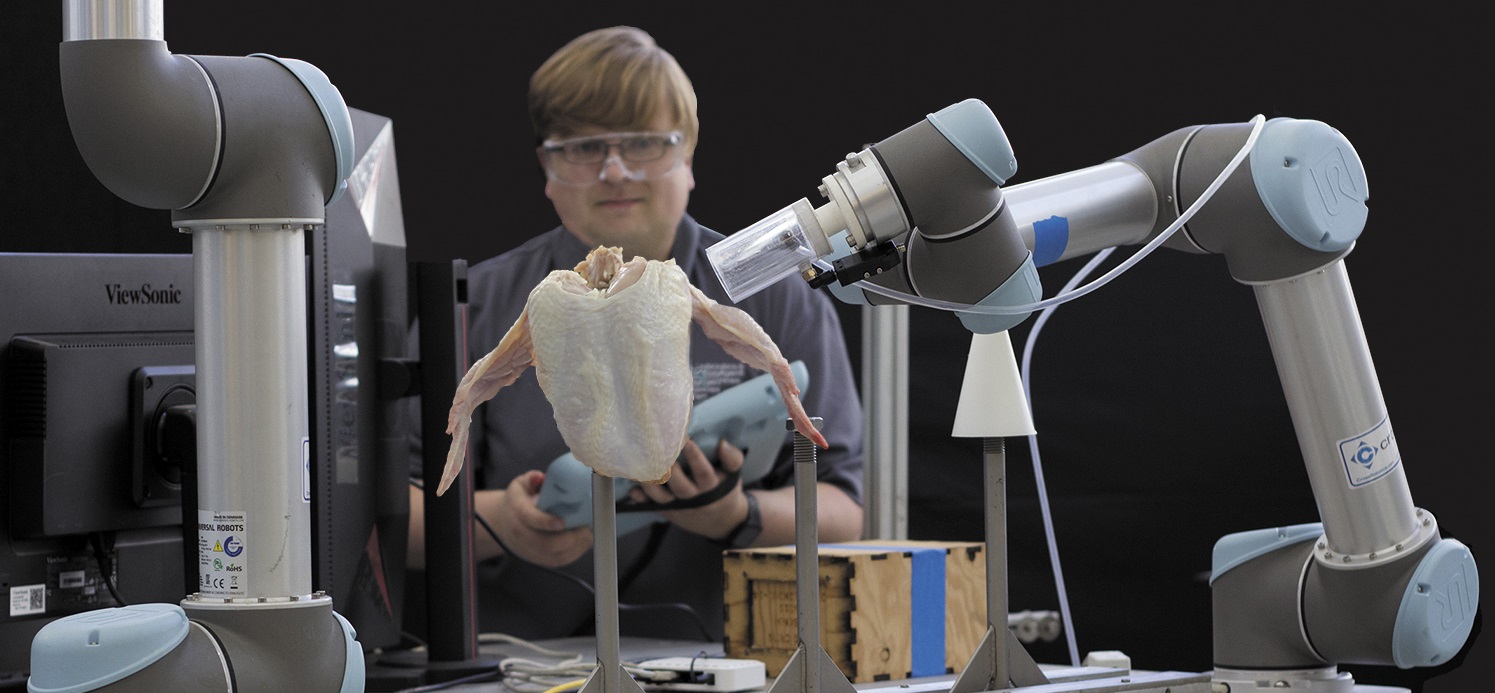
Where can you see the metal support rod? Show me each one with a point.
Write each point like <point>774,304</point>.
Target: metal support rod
<point>609,676</point>
<point>605,575</point>
<point>809,668</point>
<point>806,557</point>
<point>885,433</point>
<point>999,661</point>
<point>994,456</point>
<point>86,20</point>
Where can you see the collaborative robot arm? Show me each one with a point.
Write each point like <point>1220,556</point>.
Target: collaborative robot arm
<point>246,152</point>
<point>921,215</point>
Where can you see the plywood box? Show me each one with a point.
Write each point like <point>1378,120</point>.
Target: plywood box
<point>888,609</point>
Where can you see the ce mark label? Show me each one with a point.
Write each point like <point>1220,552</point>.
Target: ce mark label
<point>214,583</point>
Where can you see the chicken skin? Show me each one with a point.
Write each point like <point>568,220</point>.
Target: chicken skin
<point>610,343</point>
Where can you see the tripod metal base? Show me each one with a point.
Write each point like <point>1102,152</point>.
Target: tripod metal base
<point>802,673</point>
<point>984,669</point>
<point>609,677</point>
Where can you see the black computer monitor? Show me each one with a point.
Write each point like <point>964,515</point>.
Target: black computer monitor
<point>79,335</point>
<point>361,421</point>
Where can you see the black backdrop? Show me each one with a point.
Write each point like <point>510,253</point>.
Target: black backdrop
<point>1160,419</point>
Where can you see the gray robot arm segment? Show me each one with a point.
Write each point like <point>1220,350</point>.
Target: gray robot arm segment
<point>231,138</point>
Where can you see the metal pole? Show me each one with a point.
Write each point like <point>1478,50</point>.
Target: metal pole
<point>809,669</point>
<point>885,433</point>
<point>253,426</point>
<point>993,450</point>
<point>1334,397</point>
<point>609,676</point>
<point>86,20</point>
<point>605,570</point>
<point>1000,661</point>
<point>806,557</point>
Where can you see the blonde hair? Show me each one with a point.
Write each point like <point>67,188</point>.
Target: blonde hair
<point>617,78</point>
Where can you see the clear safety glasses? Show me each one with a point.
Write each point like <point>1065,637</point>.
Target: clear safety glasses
<point>639,156</point>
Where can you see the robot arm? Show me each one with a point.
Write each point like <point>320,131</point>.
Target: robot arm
<point>922,213</point>
<point>246,152</point>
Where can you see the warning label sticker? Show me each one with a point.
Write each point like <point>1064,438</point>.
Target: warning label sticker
<point>222,551</point>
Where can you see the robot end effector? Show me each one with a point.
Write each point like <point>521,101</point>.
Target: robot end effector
<point>926,201</point>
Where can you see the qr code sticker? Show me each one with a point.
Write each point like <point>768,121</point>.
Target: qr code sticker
<point>26,600</point>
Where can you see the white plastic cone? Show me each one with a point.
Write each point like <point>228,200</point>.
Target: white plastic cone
<point>992,403</point>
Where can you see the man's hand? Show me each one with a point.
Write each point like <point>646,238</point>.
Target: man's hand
<point>691,476</point>
<point>531,533</point>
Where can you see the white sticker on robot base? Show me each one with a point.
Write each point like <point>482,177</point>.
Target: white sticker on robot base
<point>1370,455</point>
<point>222,552</point>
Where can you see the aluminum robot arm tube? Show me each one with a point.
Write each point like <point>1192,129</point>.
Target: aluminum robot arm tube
<point>1334,396</point>
<point>1084,211</point>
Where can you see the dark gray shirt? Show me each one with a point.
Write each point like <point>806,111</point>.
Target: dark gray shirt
<point>515,432</point>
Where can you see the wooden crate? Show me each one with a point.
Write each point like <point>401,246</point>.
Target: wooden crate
<point>882,604</point>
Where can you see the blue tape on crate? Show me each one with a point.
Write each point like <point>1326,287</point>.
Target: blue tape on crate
<point>926,606</point>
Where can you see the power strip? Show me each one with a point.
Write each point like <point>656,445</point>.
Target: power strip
<point>712,674</point>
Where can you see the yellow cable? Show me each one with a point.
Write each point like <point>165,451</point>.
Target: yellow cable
<point>567,686</point>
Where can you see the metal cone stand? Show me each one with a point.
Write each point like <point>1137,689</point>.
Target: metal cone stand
<point>809,669</point>
<point>609,676</point>
<point>992,405</point>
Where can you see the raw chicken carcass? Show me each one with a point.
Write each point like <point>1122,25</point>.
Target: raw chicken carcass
<point>610,343</point>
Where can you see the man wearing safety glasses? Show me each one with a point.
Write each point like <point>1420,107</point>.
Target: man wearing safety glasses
<point>581,161</point>
<point>615,120</point>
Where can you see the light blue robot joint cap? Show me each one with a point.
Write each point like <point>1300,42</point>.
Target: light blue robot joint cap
<point>1020,289</point>
<point>1312,182</point>
<point>93,649</point>
<point>1438,607</point>
<point>972,128</point>
<point>1233,550</point>
<point>354,675</point>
